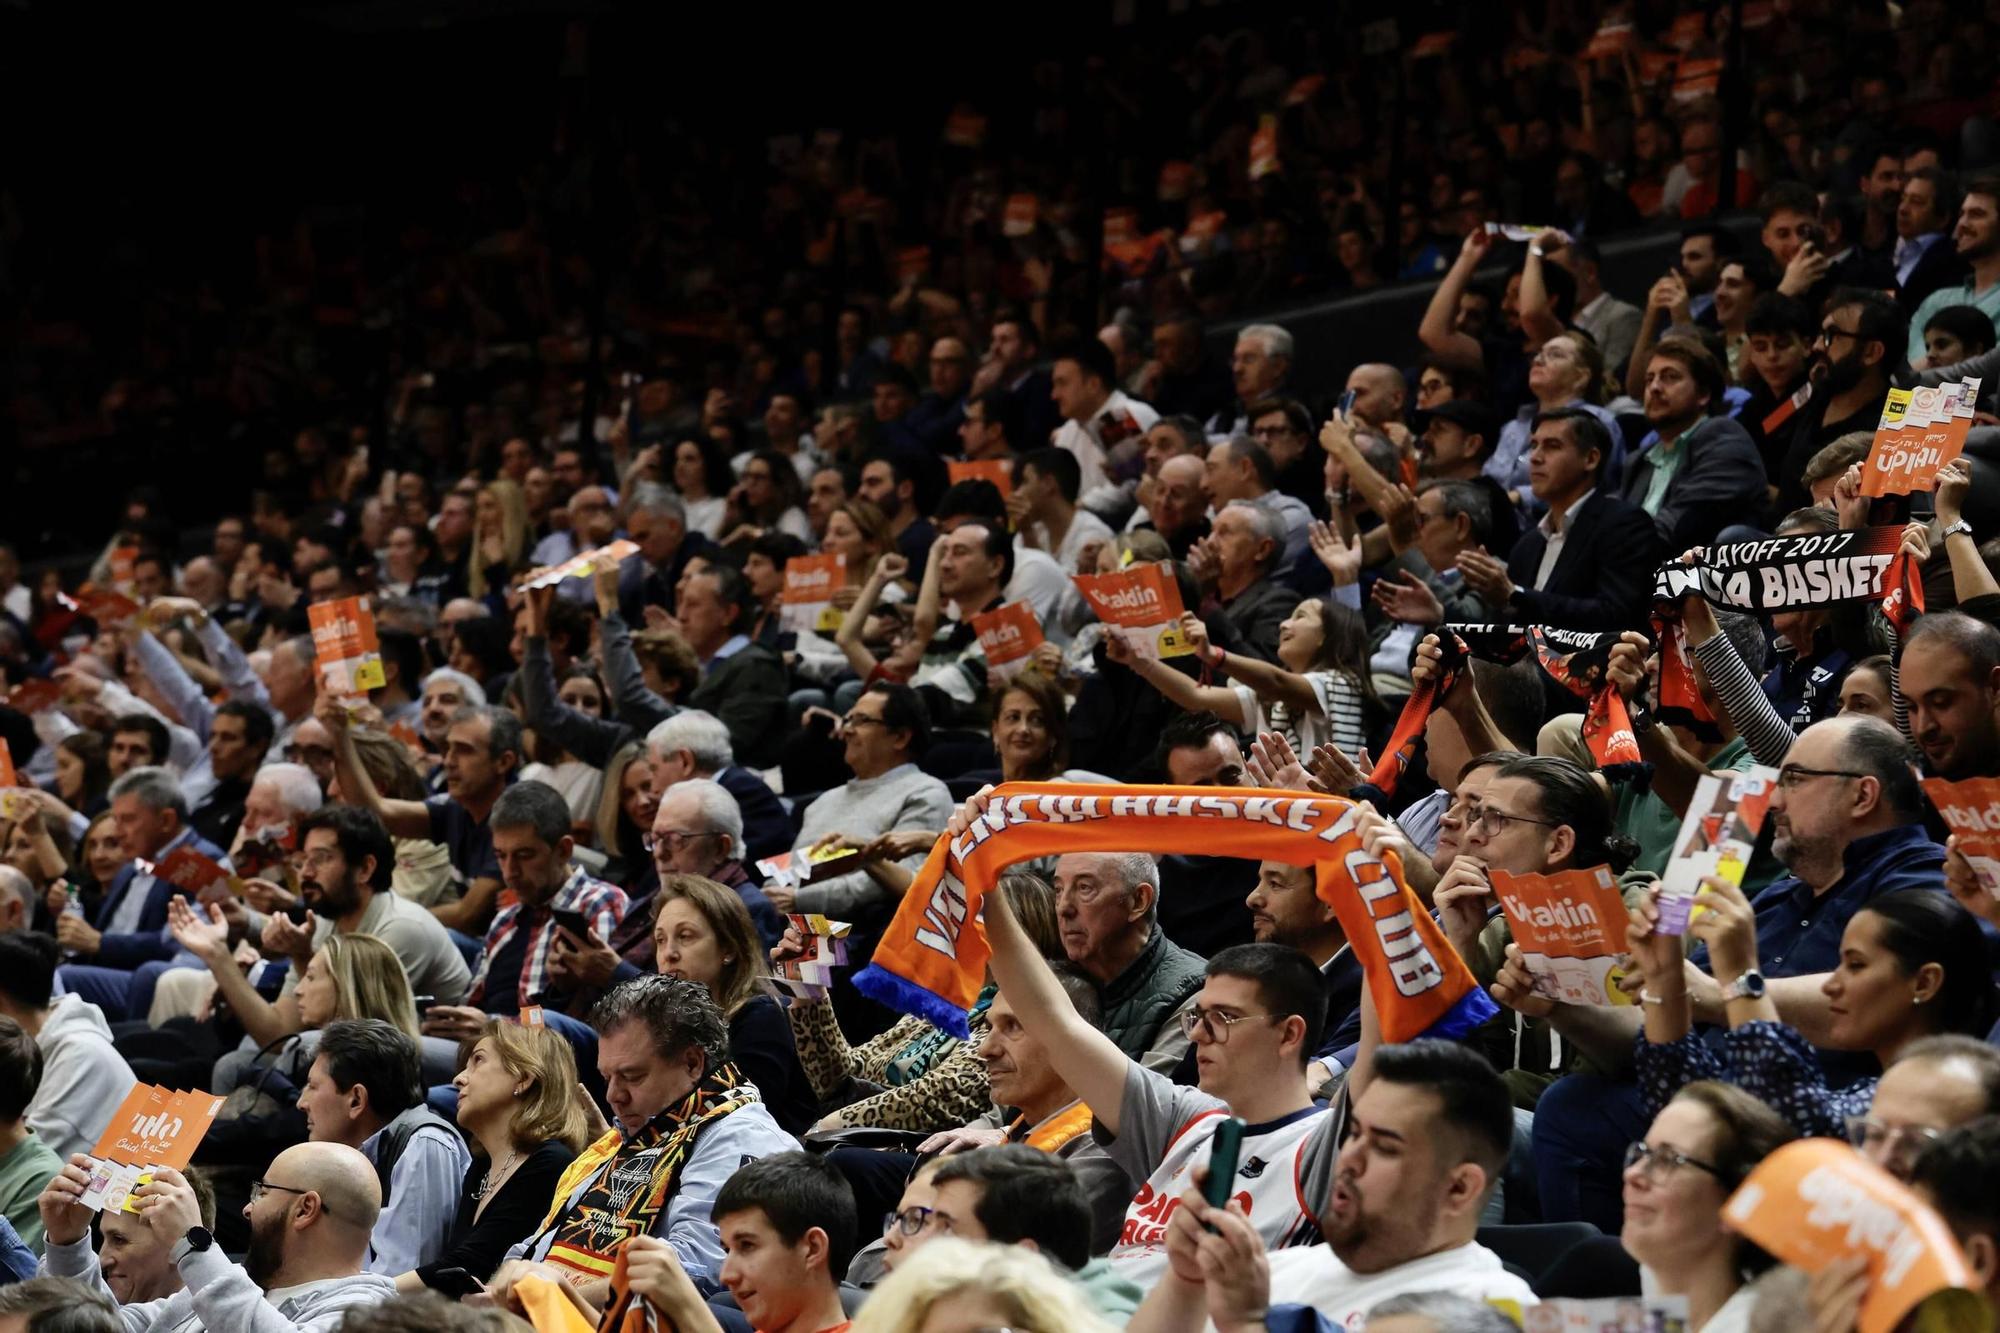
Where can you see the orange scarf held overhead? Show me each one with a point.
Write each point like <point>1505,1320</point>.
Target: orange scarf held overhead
<point>932,958</point>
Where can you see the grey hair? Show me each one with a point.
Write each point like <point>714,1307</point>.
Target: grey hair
<point>19,885</point>
<point>652,498</point>
<point>503,727</point>
<point>296,787</point>
<point>1276,338</point>
<point>1746,635</point>
<point>718,809</point>
<point>1270,526</point>
<point>1447,1311</point>
<point>1134,869</point>
<point>700,734</point>
<point>39,1296</point>
<point>1467,498</point>
<point>677,1014</point>
<point>532,805</point>
<point>157,789</point>
<point>302,648</point>
<point>475,693</point>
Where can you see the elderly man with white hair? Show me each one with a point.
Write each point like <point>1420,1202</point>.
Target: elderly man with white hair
<point>1107,908</point>
<point>696,831</point>
<point>694,744</point>
<point>1259,367</point>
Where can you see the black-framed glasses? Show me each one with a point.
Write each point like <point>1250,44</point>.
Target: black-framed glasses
<point>853,720</point>
<point>259,1188</point>
<point>1830,334</point>
<point>1214,1024</point>
<point>671,841</point>
<point>1656,1162</point>
<point>1794,776</point>
<point>908,1222</point>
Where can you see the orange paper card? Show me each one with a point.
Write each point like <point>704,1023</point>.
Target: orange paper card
<point>1921,430</point>
<point>350,657</point>
<point>1008,635</point>
<point>1571,929</point>
<point>155,1127</point>
<point>1971,810</point>
<point>994,470</point>
<point>807,600</point>
<point>1815,1201</point>
<point>188,869</point>
<point>1141,605</point>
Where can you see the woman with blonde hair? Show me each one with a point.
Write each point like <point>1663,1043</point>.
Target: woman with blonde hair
<point>517,1103</point>
<point>955,1286</point>
<point>703,932</point>
<point>499,536</point>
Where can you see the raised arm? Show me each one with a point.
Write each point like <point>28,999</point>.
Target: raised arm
<point>1666,302</point>
<point>847,638</point>
<point>403,819</point>
<point>1750,710</point>
<point>1970,576</point>
<point>1675,771</point>
<point>1088,1061</point>
<point>1538,319</point>
<point>1439,330</point>
<point>203,933</point>
<point>637,706</point>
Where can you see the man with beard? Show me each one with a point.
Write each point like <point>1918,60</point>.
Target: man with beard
<point>1285,908</point>
<point>1701,467</point>
<point>1977,240</point>
<point>1861,340</point>
<point>1950,680</point>
<point>1425,1143</point>
<point>344,880</point>
<point>309,1222</point>
<point>365,1090</point>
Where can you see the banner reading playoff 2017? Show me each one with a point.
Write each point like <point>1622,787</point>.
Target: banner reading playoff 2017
<point>1784,573</point>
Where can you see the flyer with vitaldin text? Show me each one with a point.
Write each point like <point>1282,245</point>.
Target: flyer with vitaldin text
<point>1816,1201</point>
<point>1008,635</point>
<point>1971,810</point>
<point>350,656</point>
<point>1571,929</point>
<point>1141,605</point>
<point>806,604</point>
<point>1921,430</point>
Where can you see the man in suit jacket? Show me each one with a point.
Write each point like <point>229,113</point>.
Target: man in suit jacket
<point>129,930</point>
<point>1700,473</point>
<point>742,683</point>
<point>1926,259</point>
<point>658,524</point>
<point>693,744</point>
<point>1589,563</point>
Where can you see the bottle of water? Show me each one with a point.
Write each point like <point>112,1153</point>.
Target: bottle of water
<point>72,906</point>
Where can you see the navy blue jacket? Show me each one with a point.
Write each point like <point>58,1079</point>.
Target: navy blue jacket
<point>151,940</point>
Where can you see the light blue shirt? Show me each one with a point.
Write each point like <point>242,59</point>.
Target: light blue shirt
<point>1986,302</point>
<point>423,1200</point>
<point>734,645</point>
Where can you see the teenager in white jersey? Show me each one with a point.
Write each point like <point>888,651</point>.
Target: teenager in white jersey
<point>1256,1021</point>
<point>1427,1137</point>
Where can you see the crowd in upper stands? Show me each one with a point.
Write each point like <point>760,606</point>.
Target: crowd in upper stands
<point>495,986</point>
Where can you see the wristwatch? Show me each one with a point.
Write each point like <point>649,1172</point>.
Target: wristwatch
<point>1749,986</point>
<point>198,1240</point>
<point>1955,529</point>
<point>1639,711</point>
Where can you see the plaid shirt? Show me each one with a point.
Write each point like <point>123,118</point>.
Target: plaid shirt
<point>602,904</point>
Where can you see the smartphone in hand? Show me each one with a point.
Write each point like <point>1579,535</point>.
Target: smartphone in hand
<point>1225,1152</point>
<point>576,923</point>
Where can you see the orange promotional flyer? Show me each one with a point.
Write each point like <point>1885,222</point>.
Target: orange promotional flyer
<point>188,869</point>
<point>153,1127</point>
<point>1921,430</point>
<point>807,601</point>
<point>1141,605</point>
<point>1571,929</point>
<point>983,469</point>
<point>350,656</point>
<point>1971,810</point>
<point>106,606</point>
<point>1816,1201</point>
<point>1008,635</point>
<point>8,777</point>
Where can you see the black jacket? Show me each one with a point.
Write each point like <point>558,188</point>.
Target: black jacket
<point>1603,580</point>
<point>1719,482</point>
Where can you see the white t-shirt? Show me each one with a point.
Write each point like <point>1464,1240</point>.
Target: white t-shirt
<point>1164,1133</point>
<point>1119,420</point>
<point>1085,528</point>
<point>1313,1276</point>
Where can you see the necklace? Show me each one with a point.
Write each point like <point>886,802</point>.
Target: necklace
<point>495,1176</point>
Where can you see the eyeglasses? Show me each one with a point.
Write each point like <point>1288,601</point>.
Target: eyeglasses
<point>1271,432</point>
<point>259,1188</point>
<point>853,720</point>
<point>308,754</point>
<point>1492,821</point>
<point>1214,1024</point>
<point>671,841</point>
<point>1793,776</point>
<point>1654,1163</point>
<point>1831,334</point>
<point>908,1222</point>
<point>1892,1142</point>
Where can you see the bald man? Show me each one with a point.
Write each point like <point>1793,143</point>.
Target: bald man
<point>1378,395</point>
<point>309,1222</point>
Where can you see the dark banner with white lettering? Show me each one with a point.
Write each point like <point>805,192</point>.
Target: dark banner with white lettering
<point>1785,573</point>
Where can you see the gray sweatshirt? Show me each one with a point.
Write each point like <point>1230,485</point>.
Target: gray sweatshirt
<point>220,1296</point>
<point>84,1079</point>
<point>902,799</point>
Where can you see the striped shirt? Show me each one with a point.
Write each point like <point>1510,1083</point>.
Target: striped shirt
<point>603,904</point>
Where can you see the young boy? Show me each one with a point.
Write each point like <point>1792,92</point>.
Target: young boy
<point>787,1225</point>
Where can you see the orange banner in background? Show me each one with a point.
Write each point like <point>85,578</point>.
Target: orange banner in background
<point>932,959</point>
<point>1816,1201</point>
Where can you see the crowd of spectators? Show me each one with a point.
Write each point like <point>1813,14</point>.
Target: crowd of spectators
<point>492,995</point>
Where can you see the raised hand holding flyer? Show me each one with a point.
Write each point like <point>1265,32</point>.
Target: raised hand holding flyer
<point>1971,810</point>
<point>1717,838</point>
<point>1141,605</point>
<point>1921,430</point>
<point>1008,635</point>
<point>581,565</point>
<point>1571,929</point>
<point>350,656</point>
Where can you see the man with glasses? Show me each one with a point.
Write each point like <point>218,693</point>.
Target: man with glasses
<point>883,735</point>
<point>310,1219</point>
<point>1860,345</point>
<point>1285,428</point>
<point>1934,1085</point>
<point>1255,1023</point>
